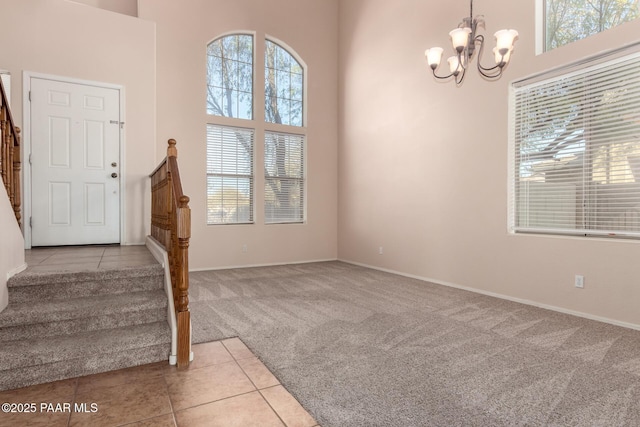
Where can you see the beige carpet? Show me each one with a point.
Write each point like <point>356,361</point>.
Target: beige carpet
<point>359,347</point>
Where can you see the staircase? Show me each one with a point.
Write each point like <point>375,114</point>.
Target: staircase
<point>64,324</point>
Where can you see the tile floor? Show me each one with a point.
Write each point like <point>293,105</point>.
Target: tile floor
<point>83,258</point>
<point>225,385</point>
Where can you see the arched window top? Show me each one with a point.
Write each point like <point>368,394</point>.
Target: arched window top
<point>230,71</point>
<point>230,76</point>
<point>284,86</point>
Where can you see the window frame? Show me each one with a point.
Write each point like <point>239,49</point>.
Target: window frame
<point>260,125</point>
<point>541,28</point>
<point>584,69</point>
<point>303,68</point>
<point>253,72</point>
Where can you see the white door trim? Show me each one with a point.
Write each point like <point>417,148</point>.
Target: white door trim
<point>26,147</point>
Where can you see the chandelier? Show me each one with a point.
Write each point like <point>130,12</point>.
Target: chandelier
<point>465,41</point>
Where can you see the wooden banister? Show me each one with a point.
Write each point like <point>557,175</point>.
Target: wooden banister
<point>10,163</point>
<point>171,227</point>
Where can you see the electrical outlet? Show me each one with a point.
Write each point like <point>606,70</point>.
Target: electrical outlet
<point>244,248</point>
<point>380,251</point>
<point>579,281</point>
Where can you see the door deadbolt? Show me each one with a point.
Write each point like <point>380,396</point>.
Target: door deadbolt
<point>114,164</point>
<point>114,175</point>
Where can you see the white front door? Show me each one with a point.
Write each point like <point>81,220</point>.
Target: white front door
<point>75,164</point>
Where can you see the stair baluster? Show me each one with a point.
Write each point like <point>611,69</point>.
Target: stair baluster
<point>10,164</point>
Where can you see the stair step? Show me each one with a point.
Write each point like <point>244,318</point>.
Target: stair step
<point>39,286</point>
<point>62,324</point>
<point>71,316</point>
<point>39,360</point>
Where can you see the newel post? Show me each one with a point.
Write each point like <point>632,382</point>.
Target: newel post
<point>183,314</point>
<point>172,151</point>
<point>183,234</point>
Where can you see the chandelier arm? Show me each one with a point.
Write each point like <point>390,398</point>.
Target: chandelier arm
<point>462,59</point>
<point>442,77</point>
<point>488,73</point>
<point>461,79</point>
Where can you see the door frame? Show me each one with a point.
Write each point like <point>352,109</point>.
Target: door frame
<point>26,146</point>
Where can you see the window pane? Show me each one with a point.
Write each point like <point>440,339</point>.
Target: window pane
<point>229,175</point>
<point>283,83</point>
<point>284,177</point>
<point>296,113</point>
<point>296,86</point>
<point>284,107</point>
<point>230,76</point>
<point>569,20</point>
<point>577,152</point>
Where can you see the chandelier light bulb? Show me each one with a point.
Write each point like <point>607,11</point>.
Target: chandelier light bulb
<point>454,65</point>
<point>502,60</point>
<point>434,56</point>
<point>460,38</point>
<point>504,40</point>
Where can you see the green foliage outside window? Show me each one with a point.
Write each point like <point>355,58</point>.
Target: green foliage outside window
<point>567,21</point>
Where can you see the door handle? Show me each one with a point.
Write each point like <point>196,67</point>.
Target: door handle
<point>114,175</point>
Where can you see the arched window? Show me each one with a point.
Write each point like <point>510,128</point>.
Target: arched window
<point>231,145</point>
<point>283,86</point>
<point>230,76</point>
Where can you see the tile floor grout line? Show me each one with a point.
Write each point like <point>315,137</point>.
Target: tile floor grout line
<point>166,386</point>
<point>73,398</point>
<point>248,377</point>
<point>216,401</point>
<point>272,408</point>
<point>247,347</point>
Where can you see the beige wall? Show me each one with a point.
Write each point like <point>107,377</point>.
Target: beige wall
<point>310,28</point>
<point>11,246</point>
<point>67,39</point>
<point>423,165</point>
<point>127,7</point>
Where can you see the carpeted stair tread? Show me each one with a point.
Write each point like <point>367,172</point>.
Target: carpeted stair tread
<point>34,278</point>
<point>37,286</point>
<point>28,313</point>
<point>94,364</point>
<point>42,351</point>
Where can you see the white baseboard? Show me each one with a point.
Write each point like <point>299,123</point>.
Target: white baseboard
<point>16,270</point>
<point>261,265</point>
<point>502,296</point>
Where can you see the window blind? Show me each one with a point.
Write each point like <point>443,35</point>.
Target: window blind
<point>229,175</point>
<point>284,178</point>
<point>575,152</point>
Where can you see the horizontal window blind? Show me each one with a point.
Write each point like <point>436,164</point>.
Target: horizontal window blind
<point>576,152</point>
<point>284,177</point>
<point>229,175</point>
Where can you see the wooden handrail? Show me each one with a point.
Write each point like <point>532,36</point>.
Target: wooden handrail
<point>171,227</point>
<point>10,164</point>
